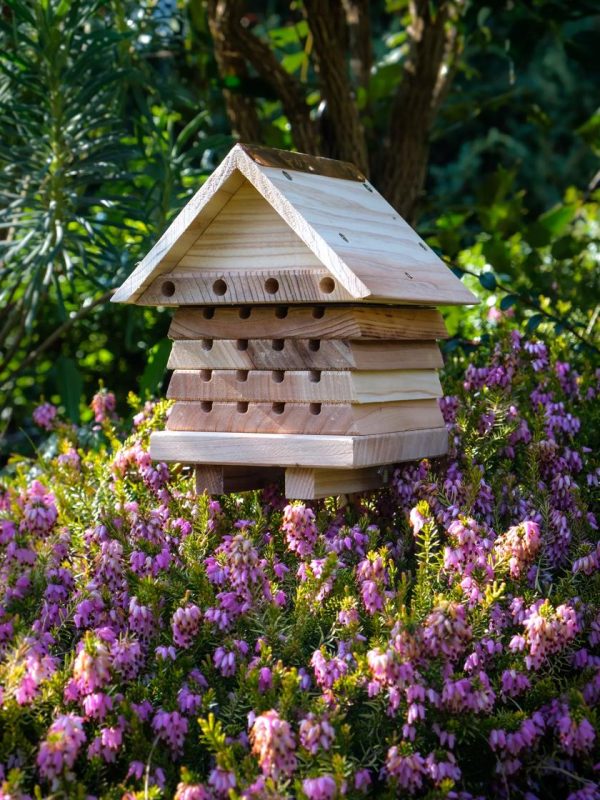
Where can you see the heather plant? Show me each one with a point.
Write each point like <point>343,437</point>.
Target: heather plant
<point>438,638</point>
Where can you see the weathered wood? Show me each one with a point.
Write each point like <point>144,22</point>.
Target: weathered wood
<point>297,354</point>
<point>306,322</point>
<point>311,484</point>
<point>348,226</point>
<point>258,286</point>
<point>313,386</point>
<point>314,418</point>
<point>287,450</point>
<point>300,162</point>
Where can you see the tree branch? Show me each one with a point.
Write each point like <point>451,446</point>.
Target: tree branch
<point>223,16</point>
<point>287,88</point>
<point>433,44</point>
<point>327,25</point>
<point>359,36</point>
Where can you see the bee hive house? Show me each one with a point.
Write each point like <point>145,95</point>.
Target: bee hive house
<point>304,335</point>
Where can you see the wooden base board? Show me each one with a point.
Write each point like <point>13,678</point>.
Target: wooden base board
<point>330,354</point>
<point>305,418</point>
<point>289,450</point>
<point>308,322</point>
<point>305,386</point>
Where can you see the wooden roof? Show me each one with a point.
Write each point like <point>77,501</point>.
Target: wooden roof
<point>347,227</point>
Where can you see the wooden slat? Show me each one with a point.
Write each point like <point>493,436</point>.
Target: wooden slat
<point>311,484</point>
<point>305,322</point>
<point>303,418</point>
<point>257,286</point>
<point>315,386</point>
<point>297,354</point>
<point>350,224</point>
<point>287,450</point>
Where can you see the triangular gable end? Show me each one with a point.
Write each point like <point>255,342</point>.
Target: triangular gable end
<point>204,210</point>
<point>350,229</point>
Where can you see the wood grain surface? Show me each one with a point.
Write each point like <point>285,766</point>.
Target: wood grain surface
<point>300,354</point>
<point>305,386</point>
<point>306,322</point>
<point>313,418</point>
<point>286,450</point>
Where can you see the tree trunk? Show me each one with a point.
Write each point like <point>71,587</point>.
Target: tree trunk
<point>342,58</point>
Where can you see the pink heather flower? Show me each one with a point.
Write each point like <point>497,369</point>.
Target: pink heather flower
<point>372,577</point>
<point>107,744</point>
<point>274,745</point>
<point>408,770</point>
<point>61,746</point>
<point>185,625</point>
<point>322,788</point>
<point>97,705</point>
<point>316,733</point>
<point>189,791</point>
<point>519,546</point>
<point>446,631</point>
<point>327,671</point>
<point>417,520</point>
<point>171,728</point>
<point>103,405</point>
<point>39,510</point>
<point>575,737</point>
<point>44,415</point>
<point>300,529</point>
<point>547,631</point>
<point>91,670</point>
<point>70,459</point>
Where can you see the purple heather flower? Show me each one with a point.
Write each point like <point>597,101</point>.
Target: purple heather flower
<point>61,746</point>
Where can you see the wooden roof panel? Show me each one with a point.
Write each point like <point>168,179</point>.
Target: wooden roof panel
<point>348,226</point>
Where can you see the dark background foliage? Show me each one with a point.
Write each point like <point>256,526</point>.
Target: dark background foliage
<point>479,122</point>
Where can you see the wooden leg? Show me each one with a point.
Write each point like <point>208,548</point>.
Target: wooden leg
<point>209,478</point>
<point>311,484</point>
<point>215,479</point>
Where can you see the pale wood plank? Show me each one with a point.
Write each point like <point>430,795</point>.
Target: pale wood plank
<point>288,450</point>
<point>312,386</point>
<point>256,286</point>
<point>344,223</point>
<point>304,418</point>
<point>248,234</point>
<point>297,354</point>
<point>313,484</point>
<point>305,322</point>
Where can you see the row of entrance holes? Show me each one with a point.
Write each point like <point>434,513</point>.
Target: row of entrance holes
<point>281,312</point>
<point>277,408</point>
<point>276,344</point>
<point>277,375</point>
<point>271,285</point>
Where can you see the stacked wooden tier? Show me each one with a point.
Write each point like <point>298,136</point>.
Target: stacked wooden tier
<point>327,395</point>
